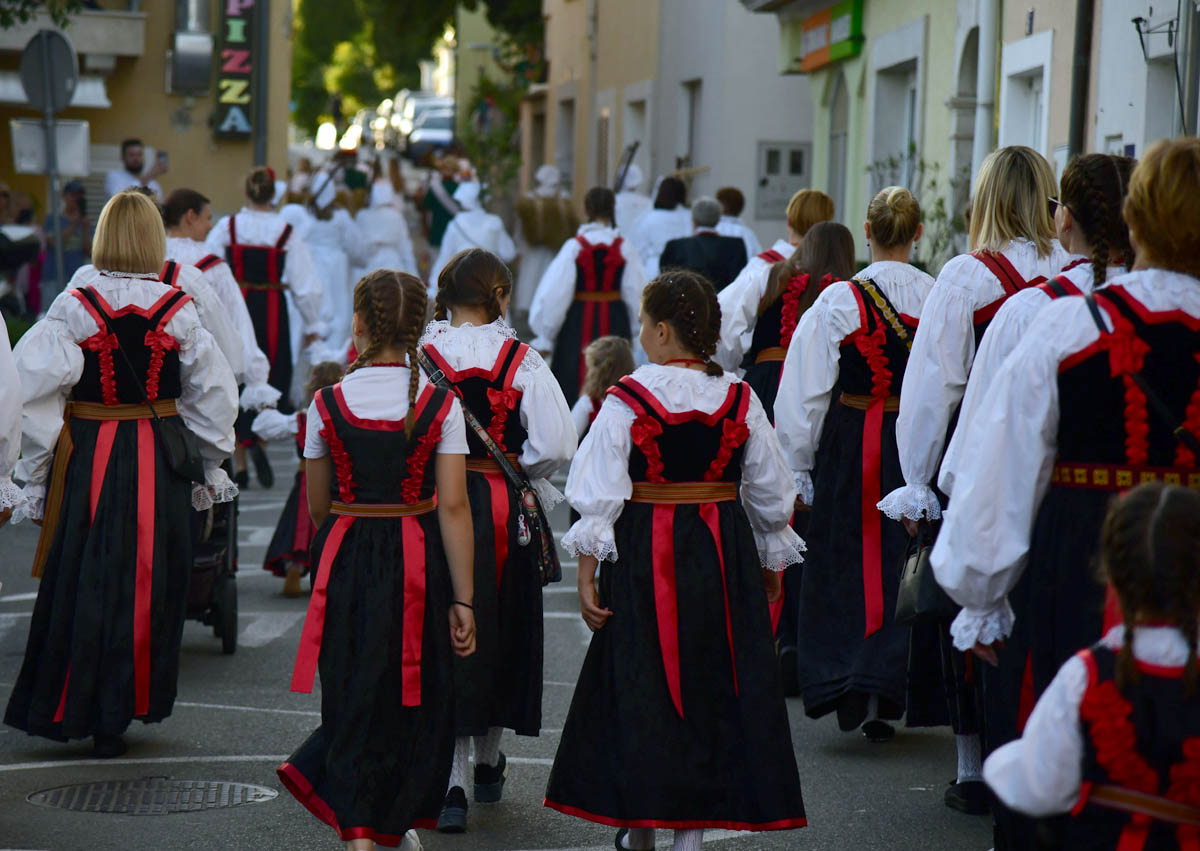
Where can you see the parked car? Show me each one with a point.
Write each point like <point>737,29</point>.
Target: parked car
<point>434,131</point>
<point>417,104</point>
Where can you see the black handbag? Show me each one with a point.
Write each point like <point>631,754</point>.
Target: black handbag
<point>533,526</point>
<point>920,597</point>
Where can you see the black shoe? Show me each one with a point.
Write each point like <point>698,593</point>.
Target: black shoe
<point>789,670</point>
<point>970,797</point>
<point>852,710</point>
<point>489,781</point>
<point>620,840</point>
<point>262,466</point>
<point>241,478</point>
<point>878,732</point>
<point>106,746</point>
<point>454,812</point>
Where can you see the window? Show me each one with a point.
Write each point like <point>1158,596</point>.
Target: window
<point>896,125</point>
<point>602,122</point>
<point>689,125</point>
<point>564,143</point>
<point>635,131</point>
<point>839,131</point>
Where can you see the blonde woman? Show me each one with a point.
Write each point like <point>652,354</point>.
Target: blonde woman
<point>116,544</point>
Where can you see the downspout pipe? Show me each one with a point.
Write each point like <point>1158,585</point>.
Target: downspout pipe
<point>985,83</point>
<point>1081,73</point>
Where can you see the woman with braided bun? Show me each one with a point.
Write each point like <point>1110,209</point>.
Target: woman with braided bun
<point>383,440</point>
<point>678,719</point>
<point>836,417</point>
<point>512,393</point>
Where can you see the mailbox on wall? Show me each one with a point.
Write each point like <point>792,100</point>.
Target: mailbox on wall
<point>784,168</point>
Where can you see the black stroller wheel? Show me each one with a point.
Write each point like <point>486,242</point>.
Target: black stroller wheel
<point>227,613</point>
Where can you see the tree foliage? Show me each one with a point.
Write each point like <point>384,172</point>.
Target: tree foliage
<point>13,12</point>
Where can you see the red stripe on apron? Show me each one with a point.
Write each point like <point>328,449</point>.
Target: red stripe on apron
<point>62,701</point>
<point>414,611</point>
<point>665,602</point>
<point>273,266</point>
<point>314,622</point>
<point>708,513</point>
<point>499,487</point>
<point>272,325</point>
<point>302,539</point>
<point>147,461</point>
<point>872,531</point>
<point>776,610</point>
<point>1135,834</point>
<point>104,446</point>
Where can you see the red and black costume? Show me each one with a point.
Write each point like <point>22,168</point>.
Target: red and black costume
<point>294,531</point>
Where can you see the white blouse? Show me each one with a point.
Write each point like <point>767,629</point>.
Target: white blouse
<point>378,393</point>
<point>1005,331</point>
<point>1040,773</point>
<point>936,375</point>
<point>50,363</point>
<point>556,291</point>
<point>257,393</point>
<point>812,365</point>
<point>599,483</point>
<point>581,413</point>
<point>739,307</point>
<point>304,286</point>
<point>387,242</point>
<point>10,425</point>
<point>472,229</point>
<point>734,226</point>
<point>981,549</point>
<point>654,229</point>
<point>544,412</point>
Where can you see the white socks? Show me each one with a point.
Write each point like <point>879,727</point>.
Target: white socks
<point>462,763</point>
<point>688,840</point>
<point>642,839</point>
<point>970,760</point>
<point>487,748</point>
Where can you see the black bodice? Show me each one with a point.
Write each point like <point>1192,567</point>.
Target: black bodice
<point>491,397</point>
<point>261,265</point>
<point>599,267</point>
<point>874,355</point>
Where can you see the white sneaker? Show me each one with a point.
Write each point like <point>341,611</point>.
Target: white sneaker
<point>411,842</point>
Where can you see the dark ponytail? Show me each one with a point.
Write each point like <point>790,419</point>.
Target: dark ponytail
<point>687,302</point>
<point>472,278</point>
<point>827,249</point>
<point>1093,188</point>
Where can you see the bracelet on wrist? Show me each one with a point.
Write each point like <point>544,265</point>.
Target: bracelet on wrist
<point>464,605</point>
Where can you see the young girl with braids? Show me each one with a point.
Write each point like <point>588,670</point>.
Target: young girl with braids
<point>1112,740</point>
<point>678,720</point>
<point>513,394</point>
<point>836,419</point>
<point>383,441</point>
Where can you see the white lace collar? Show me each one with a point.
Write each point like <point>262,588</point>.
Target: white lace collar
<point>145,276</point>
<point>439,328</point>
<point>892,270</point>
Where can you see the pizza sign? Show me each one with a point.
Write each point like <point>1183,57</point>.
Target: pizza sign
<point>235,79</point>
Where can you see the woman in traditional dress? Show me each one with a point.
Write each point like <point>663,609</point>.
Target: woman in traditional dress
<point>678,720</point>
<point>383,440</point>
<point>115,551</point>
<point>836,416</point>
<point>511,392</point>
<point>337,243</point>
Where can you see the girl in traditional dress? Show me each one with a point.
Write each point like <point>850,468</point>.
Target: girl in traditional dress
<point>115,551</point>
<point>287,554</point>
<point>591,289</point>
<point>742,301</point>
<point>608,360</point>
<point>512,393</point>
<point>836,420</point>
<point>1112,740</point>
<point>1102,392</point>
<point>678,720</point>
<point>383,440</point>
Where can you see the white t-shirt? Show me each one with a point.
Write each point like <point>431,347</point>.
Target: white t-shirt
<point>118,180</point>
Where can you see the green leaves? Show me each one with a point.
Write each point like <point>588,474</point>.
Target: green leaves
<point>13,12</point>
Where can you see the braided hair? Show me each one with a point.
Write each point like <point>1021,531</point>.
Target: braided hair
<point>472,278</point>
<point>687,302</point>
<point>392,307</point>
<point>1093,189</point>
<point>1150,552</point>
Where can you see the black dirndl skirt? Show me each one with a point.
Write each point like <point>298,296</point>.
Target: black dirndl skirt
<point>294,531</point>
<point>500,684</point>
<point>104,640</point>
<point>379,762</point>
<point>268,309</point>
<point>586,321</point>
<point>834,656</point>
<point>668,727</point>
<point>763,378</point>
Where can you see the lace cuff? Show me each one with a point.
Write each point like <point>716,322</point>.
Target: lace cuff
<point>548,495</point>
<point>982,626</point>
<point>10,495</point>
<point>256,397</point>
<point>591,536</point>
<point>776,550</point>
<point>32,505</point>
<point>913,502</point>
<point>804,487</point>
<point>217,488</point>
<point>272,425</point>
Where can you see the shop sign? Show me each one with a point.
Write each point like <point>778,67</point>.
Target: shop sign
<point>235,80</point>
<point>836,33</point>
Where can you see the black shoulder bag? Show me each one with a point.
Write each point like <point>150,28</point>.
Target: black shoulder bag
<point>533,527</point>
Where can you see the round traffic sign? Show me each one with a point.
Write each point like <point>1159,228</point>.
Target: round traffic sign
<point>49,71</point>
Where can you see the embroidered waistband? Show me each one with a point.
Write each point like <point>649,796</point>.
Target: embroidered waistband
<point>1131,801</point>
<point>586,296</point>
<point>775,354</point>
<point>139,411</point>
<point>383,509</point>
<point>264,286</point>
<point>488,465</point>
<point>683,492</point>
<point>1115,477</point>
<point>861,403</point>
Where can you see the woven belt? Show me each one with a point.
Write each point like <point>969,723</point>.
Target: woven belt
<point>1116,477</point>
<point>488,465</point>
<point>683,492</point>
<point>383,509</point>
<point>861,403</point>
<point>775,354</point>
<point>586,296</point>
<point>1131,801</point>
<point>266,286</point>
<point>93,411</point>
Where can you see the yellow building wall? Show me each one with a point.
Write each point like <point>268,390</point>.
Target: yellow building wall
<point>568,54</point>
<point>474,57</point>
<point>1060,17</point>
<point>142,108</point>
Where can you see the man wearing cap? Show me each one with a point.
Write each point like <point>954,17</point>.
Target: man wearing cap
<point>133,159</point>
<point>718,258</point>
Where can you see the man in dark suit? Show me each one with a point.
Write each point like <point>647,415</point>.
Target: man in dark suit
<point>719,258</point>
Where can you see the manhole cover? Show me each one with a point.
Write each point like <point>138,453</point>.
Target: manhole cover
<point>151,796</point>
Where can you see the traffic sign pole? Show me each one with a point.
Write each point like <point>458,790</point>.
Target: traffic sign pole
<point>52,165</point>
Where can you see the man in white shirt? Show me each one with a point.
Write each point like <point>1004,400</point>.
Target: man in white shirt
<point>134,160</point>
<point>732,203</point>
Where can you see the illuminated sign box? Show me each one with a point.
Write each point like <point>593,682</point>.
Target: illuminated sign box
<point>235,78</point>
<point>828,36</point>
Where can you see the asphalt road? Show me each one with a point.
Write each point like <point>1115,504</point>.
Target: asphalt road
<point>235,719</point>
